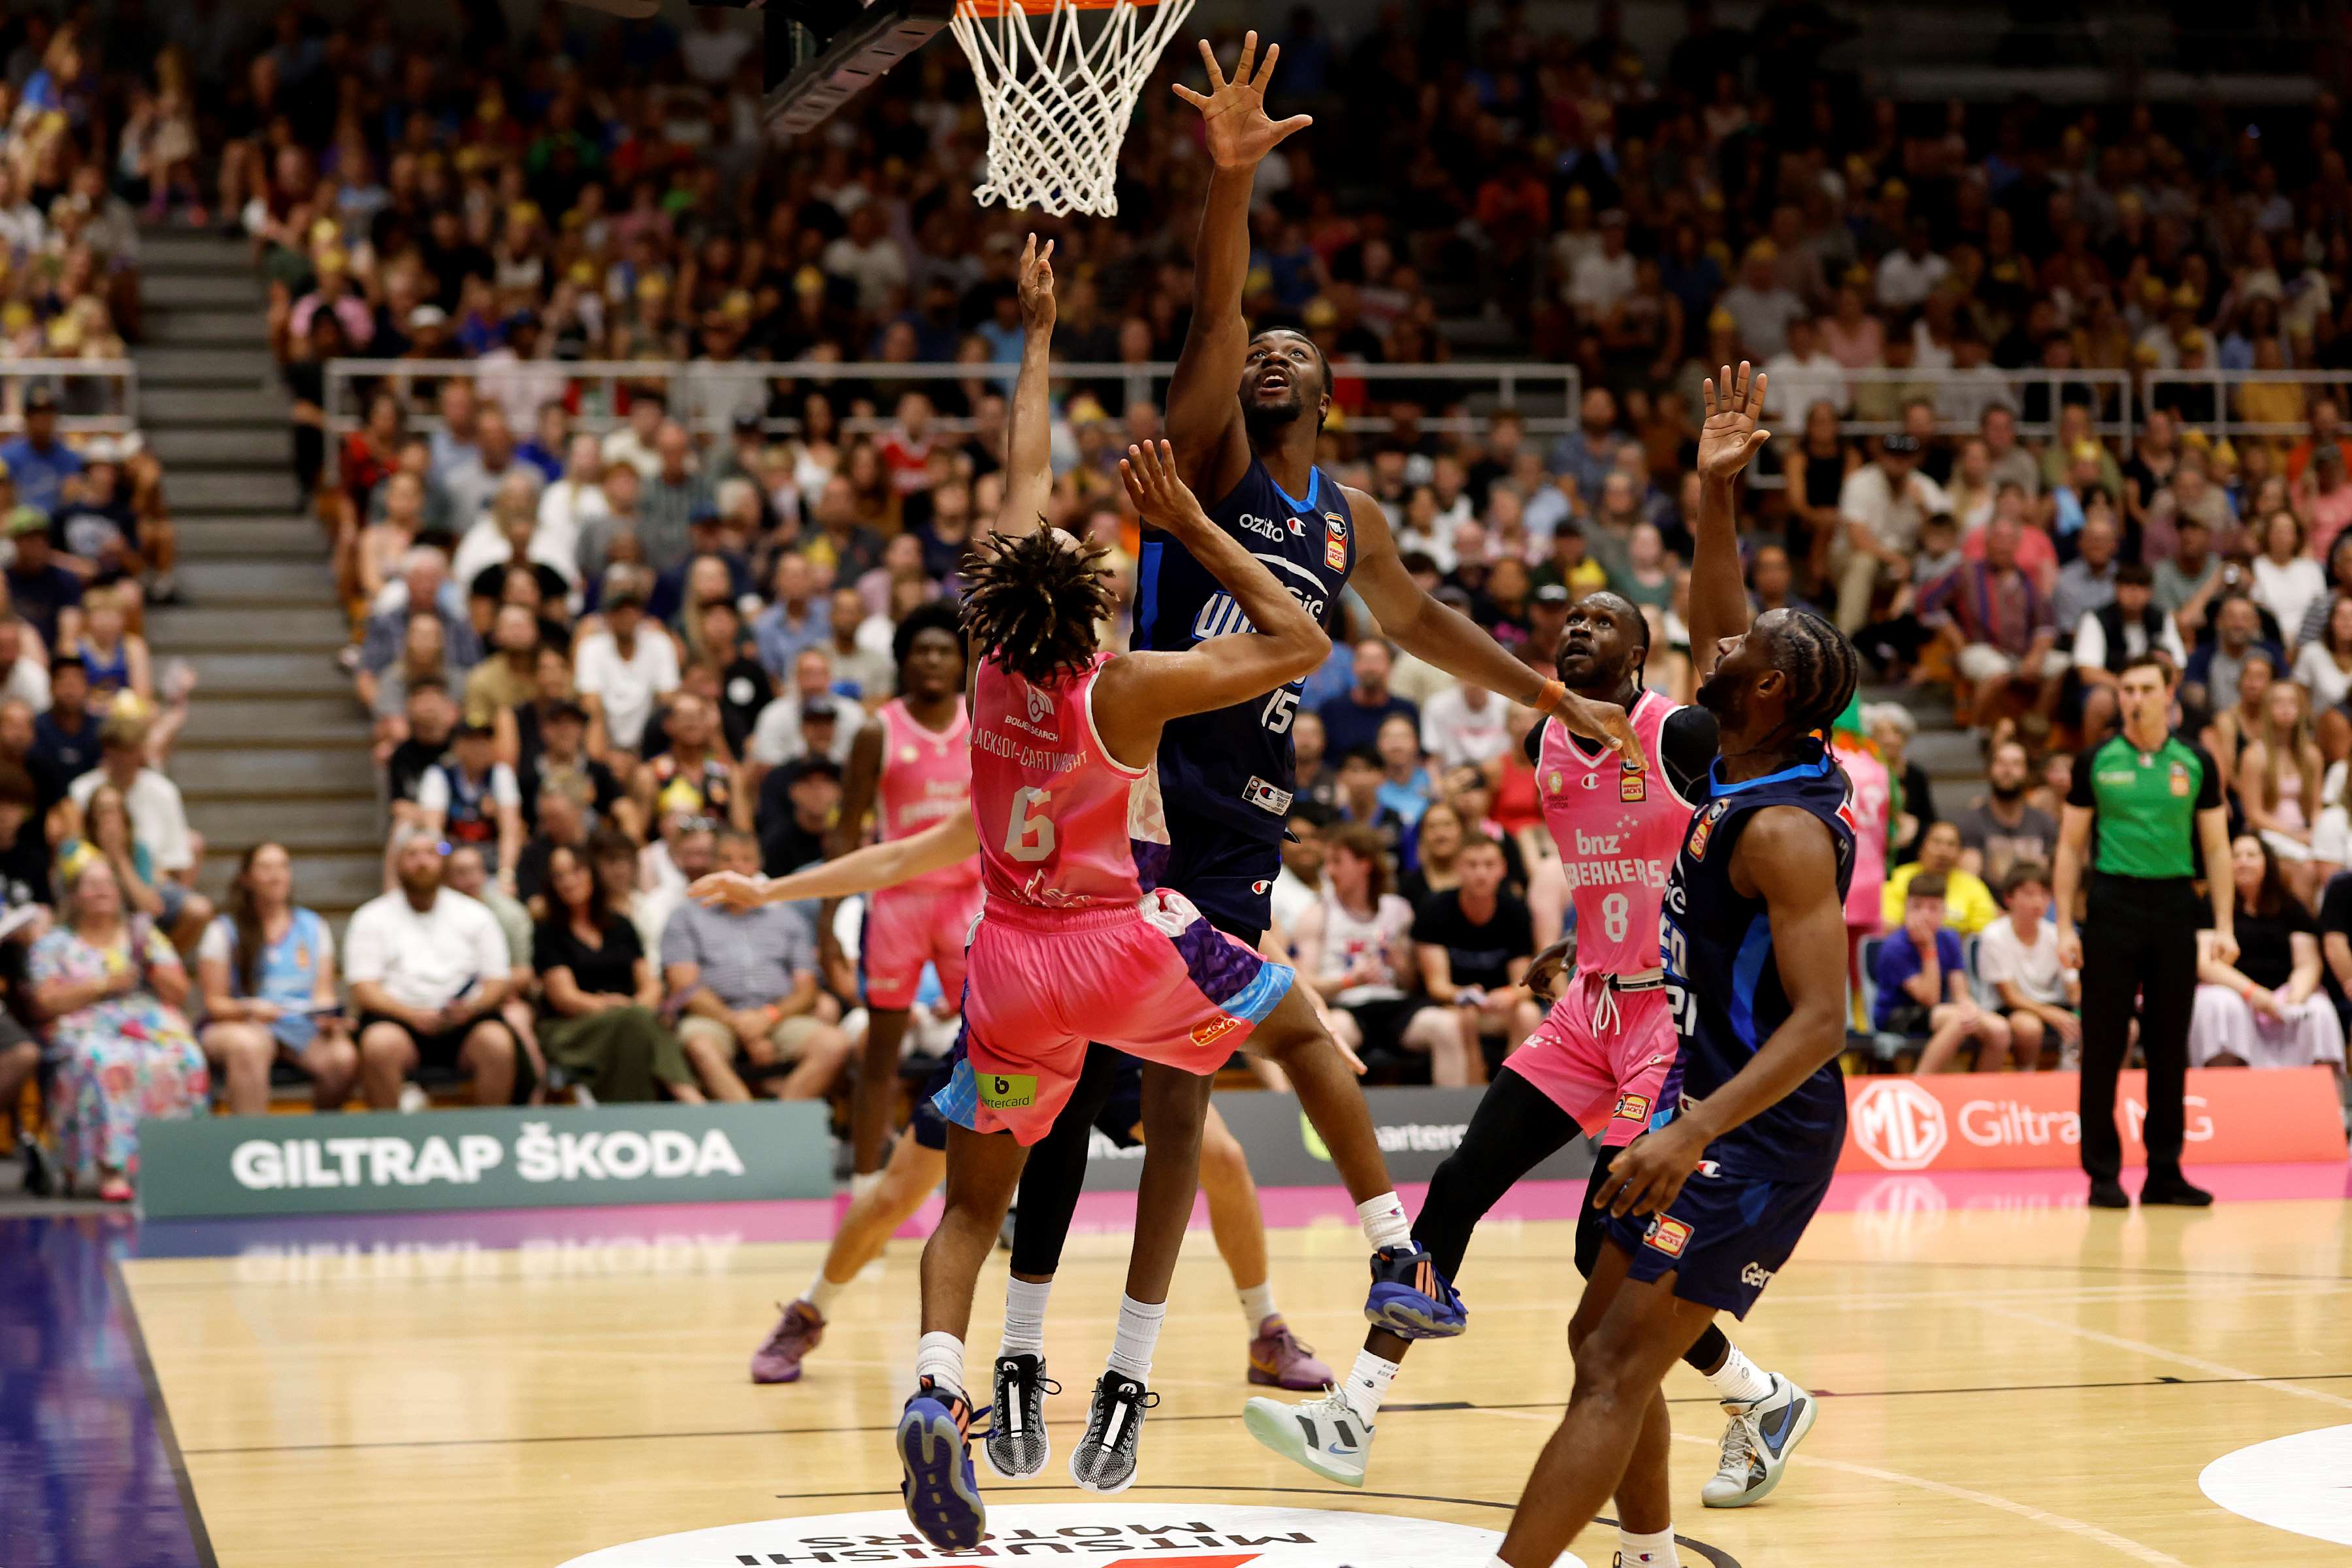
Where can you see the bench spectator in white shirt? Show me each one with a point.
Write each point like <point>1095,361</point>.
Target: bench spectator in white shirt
<point>629,666</point>
<point>1884,502</point>
<point>1465,723</point>
<point>159,819</point>
<point>429,969</point>
<point>2017,960</point>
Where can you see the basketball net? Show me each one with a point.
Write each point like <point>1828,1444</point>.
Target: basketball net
<point>1058,105</point>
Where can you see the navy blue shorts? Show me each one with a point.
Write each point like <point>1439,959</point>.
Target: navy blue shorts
<point>1229,877</point>
<point>1726,1235</point>
<point>1117,1120</point>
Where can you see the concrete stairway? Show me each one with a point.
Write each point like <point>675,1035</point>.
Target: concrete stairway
<point>275,748</point>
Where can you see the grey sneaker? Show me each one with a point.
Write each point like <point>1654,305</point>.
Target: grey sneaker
<point>1756,1444</point>
<point>1018,1443</point>
<point>1104,1460</point>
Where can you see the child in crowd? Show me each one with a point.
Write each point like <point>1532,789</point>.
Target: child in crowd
<point>1923,985</point>
<point>2017,959</point>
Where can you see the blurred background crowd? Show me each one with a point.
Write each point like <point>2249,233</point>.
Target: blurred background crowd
<point>628,563</point>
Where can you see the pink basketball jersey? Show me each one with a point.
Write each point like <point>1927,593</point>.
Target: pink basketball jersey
<point>1063,824</point>
<point>1872,796</point>
<point>1617,833</point>
<point>926,778</point>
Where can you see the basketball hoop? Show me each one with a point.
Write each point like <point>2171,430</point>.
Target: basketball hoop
<point>1058,104</point>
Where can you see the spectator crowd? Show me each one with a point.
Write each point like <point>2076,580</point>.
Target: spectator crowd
<point>615,628</point>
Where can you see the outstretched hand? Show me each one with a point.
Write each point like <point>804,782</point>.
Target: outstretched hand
<point>1036,285</point>
<point>1160,497</point>
<point>1602,722</point>
<point>1234,112</point>
<point>1543,974</point>
<point>730,890</point>
<point>1733,402</point>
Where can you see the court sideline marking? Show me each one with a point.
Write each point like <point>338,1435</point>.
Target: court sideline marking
<point>2072,1526</point>
<point>2217,1369</point>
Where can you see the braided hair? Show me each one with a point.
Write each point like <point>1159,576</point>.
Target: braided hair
<point>1821,667</point>
<point>932,616</point>
<point>1032,604</point>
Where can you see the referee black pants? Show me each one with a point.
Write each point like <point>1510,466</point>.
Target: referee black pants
<point>2140,944</point>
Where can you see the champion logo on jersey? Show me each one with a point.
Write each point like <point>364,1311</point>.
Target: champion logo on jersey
<point>1261,886</point>
<point>1593,781</point>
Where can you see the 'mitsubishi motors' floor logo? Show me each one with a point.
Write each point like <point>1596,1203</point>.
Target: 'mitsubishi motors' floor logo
<point>1180,1535</point>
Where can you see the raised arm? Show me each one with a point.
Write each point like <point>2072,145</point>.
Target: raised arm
<point>1029,423</point>
<point>1789,859</point>
<point>1719,594</point>
<point>945,843</point>
<point>1137,693</point>
<point>1454,644</point>
<point>1204,408</point>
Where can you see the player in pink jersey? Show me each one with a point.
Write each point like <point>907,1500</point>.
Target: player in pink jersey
<point>1596,1063</point>
<point>913,761</point>
<point>1071,948</point>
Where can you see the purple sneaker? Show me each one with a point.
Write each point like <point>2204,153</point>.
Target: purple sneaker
<point>778,1359</point>
<point>1279,1360</point>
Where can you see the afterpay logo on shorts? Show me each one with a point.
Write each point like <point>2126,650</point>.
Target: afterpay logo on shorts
<point>1179,1535</point>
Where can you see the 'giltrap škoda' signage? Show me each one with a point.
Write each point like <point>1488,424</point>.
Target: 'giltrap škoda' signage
<point>542,1158</point>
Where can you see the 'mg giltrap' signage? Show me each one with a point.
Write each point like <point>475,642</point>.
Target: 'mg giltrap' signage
<point>483,1160</point>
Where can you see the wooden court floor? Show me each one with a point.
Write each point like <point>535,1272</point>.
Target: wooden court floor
<point>2018,1383</point>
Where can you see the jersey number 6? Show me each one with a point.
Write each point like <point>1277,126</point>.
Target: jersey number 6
<point>1030,835</point>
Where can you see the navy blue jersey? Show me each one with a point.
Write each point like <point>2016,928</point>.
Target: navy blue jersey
<point>1721,978</point>
<point>1234,765</point>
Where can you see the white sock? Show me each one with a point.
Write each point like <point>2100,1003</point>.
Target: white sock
<point>1138,1332</point>
<point>1024,1317</point>
<point>1739,1380</point>
<point>861,1185</point>
<point>821,1292</point>
<point>939,1357</point>
<point>1647,1551</point>
<point>1258,1304</point>
<point>1368,1385</point>
<point>1384,1221</point>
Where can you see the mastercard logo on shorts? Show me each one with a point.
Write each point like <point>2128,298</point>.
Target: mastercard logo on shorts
<point>1212,1031</point>
<point>1668,1235</point>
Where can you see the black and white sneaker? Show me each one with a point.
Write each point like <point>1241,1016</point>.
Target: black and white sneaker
<point>1017,1446</point>
<point>1104,1460</point>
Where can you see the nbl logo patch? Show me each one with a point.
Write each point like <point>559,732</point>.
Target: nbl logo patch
<point>1215,1029</point>
<point>1704,828</point>
<point>1668,1235</point>
<point>1335,540</point>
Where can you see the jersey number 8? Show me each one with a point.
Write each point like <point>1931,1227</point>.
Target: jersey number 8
<point>1030,835</point>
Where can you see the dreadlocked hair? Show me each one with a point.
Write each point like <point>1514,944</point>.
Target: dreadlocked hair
<point>1032,604</point>
<point>1822,670</point>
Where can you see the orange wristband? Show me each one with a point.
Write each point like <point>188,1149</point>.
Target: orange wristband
<point>1552,695</point>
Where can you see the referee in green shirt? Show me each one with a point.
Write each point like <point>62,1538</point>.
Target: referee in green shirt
<point>2157,801</point>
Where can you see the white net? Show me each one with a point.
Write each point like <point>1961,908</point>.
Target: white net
<point>1058,101</point>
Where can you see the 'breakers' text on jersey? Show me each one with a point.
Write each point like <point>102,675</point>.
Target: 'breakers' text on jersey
<point>1209,762</point>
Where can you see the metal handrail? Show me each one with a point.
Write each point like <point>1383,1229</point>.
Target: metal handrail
<point>122,374</point>
<point>2229,383</point>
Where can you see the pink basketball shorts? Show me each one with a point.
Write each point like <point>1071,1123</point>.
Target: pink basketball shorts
<point>1597,1073</point>
<point>1156,981</point>
<point>907,928</point>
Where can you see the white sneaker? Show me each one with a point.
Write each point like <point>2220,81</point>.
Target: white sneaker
<point>413,1100</point>
<point>1324,1434</point>
<point>1763,1432</point>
